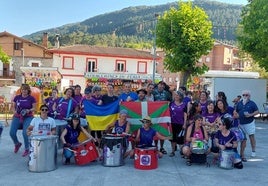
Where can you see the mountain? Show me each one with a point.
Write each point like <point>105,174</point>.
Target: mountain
<point>136,25</point>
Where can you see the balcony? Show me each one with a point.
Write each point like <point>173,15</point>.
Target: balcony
<point>7,74</point>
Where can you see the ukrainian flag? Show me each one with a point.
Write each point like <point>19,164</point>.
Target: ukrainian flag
<point>100,116</point>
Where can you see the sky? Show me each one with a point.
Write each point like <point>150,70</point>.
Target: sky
<point>23,17</point>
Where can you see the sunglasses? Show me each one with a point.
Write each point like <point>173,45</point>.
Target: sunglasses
<point>44,109</point>
<point>245,95</point>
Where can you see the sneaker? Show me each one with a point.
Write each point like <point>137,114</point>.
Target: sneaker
<point>26,153</point>
<point>172,154</point>
<point>67,161</point>
<point>253,154</point>
<point>17,147</point>
<point>163,151</point>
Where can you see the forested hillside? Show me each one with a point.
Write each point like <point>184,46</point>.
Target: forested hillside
<point>133,26</point>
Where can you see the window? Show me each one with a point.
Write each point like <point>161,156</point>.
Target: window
<point>17,46</point>
<point>35,64</point>
<point>71,83</point>
<point>120,66</point>
<point>207,59</point>
<point>142,67</point>
<point>91,65</point>
<point>68,63</point>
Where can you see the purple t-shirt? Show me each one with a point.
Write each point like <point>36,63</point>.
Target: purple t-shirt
<point>72,135</point>
<point>83,113</point>
<point>210,117</point>
<point>120,129</point>
<point>62,107</point>
<point>146,137</point>
<point>204,106</point>
<point>95,99</point>
<point>78,98</point>
<point>177,112</point>
<point>50,102</point>
<point>23,102</point>
<point>224,139</point>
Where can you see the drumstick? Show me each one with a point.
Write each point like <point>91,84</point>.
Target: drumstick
<point>230,140</point>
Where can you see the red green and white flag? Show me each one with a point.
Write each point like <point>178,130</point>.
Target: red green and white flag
<point>157,110</point>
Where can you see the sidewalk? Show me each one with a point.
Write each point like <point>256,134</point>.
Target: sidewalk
<point>170,171</point>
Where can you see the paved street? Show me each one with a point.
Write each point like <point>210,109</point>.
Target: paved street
<point>170,171</point>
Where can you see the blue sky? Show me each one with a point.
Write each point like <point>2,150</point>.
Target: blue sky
<point>22,17</point>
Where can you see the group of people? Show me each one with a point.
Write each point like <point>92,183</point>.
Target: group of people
<point>191,119</point>
<point>221,124</point>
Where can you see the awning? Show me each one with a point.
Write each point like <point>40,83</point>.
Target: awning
<point>41,72</point>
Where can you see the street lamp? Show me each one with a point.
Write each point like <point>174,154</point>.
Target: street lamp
<point>154,48</point>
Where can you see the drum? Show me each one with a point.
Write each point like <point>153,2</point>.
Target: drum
<point>43,153</point>
<point>146,158</point>
<point>114,147</point>
<point>85,152</point>
<point>226,159</point>
<point>198,147</point>
<point>60,124</point>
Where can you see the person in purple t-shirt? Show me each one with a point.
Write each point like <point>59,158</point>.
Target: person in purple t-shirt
<point>203,100</point>
<point>225,139</point>
<point>65,105</point>
<point>210,118</point>
<point>178,114</point>
<point>145,135</point>
<point>50,102</point>
<point>23,106</point>
<point>77,94</point>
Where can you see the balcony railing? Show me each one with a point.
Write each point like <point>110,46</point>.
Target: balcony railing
<point>7,74</point>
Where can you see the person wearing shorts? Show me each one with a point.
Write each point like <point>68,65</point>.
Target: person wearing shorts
<point>246,109</point>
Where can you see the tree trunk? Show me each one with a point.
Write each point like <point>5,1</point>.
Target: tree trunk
<point>184,76</point>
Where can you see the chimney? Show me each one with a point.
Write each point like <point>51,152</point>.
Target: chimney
<point>45,39</point>
<point>57,42</point>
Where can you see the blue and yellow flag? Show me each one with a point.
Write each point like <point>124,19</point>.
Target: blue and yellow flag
<point>100,116</point>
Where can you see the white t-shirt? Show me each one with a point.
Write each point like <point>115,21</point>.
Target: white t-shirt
<point>43,127</point>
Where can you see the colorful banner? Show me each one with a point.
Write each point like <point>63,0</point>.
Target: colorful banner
<point>158,111</point>
<point>100,116</point>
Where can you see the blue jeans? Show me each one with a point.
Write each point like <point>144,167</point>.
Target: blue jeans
<point>15,124</point>
<point>67,153</point>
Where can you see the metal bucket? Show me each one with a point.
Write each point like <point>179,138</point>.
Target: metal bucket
<point>113,150</point>
<point>43,153</point>
<point>226,159</point>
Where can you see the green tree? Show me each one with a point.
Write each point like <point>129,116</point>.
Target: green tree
<point>185,34</point>
<point>4,57</point>
<point>253,31</point>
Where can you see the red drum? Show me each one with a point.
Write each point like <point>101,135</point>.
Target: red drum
<point>146,158</point>
<point>85,152</point>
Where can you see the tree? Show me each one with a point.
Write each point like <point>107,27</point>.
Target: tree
<point>185,34</point>
<point>253,31</point>
<point>4,57</point>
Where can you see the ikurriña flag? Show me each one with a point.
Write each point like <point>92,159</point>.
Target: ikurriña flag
<point>157,110</point>
<point>100,116</point>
